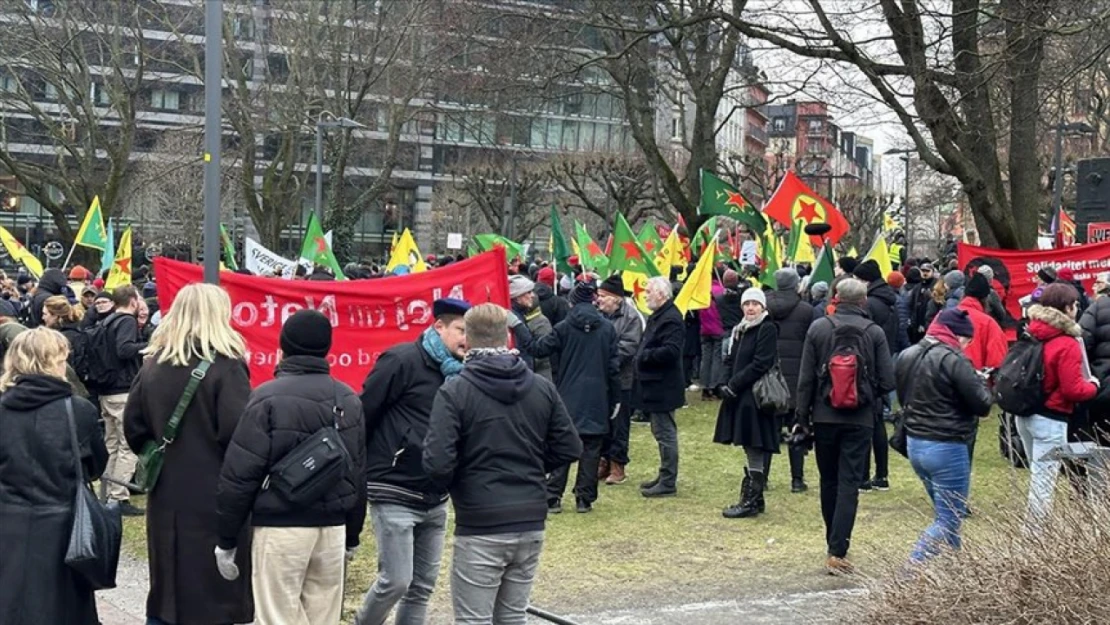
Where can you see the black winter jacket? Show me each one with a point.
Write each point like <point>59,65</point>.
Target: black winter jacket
<point>940,393</point>
<point>397,402</point>
<point>813,405</point>
<point>728,306</point>
<point>496,431</point>
<point>123,332</point>
<point>792,317</point>
<point>660,385</point>
<point>555,308</point>
<point>53,282</point>
<point>589,367</point>
<point>1095,323</point>
<point>280,415</point>
<point>882,305</point>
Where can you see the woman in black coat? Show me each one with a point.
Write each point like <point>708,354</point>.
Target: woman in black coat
<point>792,317</point>
<point>38,483</point>
<point>739,420</point>
<point>182,524</point>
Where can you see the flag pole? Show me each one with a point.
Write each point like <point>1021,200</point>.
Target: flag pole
<point>70,256</point>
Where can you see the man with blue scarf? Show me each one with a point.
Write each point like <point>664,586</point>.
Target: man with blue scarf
<point>408,510</point>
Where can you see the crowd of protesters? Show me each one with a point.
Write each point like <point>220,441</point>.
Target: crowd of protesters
<point>458,415</point>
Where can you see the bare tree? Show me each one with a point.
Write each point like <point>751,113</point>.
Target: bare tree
<point>864,208</point>
<point>605,184</point>
<point>487,185</point>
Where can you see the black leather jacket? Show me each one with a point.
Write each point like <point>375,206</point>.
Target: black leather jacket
<point>941,395</point>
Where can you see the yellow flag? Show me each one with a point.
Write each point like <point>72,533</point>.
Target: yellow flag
<point>804,253</point>
<point>406,253</point>
<point>636,285</point>
<point>393,243</point>
<point>880,253</point>
<point>696,292</point>
<point>888,223</point>
<point>21,254</point>
<point>853,252</point>
<point>120,274</point>
<point>671,254</point>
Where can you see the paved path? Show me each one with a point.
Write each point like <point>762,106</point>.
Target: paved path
<point>126,605</point>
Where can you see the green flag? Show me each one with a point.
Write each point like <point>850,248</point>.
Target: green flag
<point>229,250</point>
<point>490,241</point>
<point>720,198</point>
<point>704,235</point>
<point>649,238</point>
<point>627,253</point>
<point>768,257</point>
<point>92,232</point>
<point>590,254</point>
<point>560,251</point>
<point>316,249</point>
<point>823,270</point>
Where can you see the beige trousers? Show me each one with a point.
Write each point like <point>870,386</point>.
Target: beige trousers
<point>121,460</point>
<point>298,575</point>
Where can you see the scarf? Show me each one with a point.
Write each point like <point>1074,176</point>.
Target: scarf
<point>478,353</point>
<point>449,366</point>
<point>940,332</point>
<point>741,328</point>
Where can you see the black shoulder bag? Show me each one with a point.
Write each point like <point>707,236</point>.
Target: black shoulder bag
<point>898,437</point>
<point>315,466</point>
<point>94,539</point>
<point>153,454</point>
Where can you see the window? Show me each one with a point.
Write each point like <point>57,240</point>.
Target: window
<point>8,83</point>
<point>100,95</point>
<point>570,136</point>
<point>537,139</point>
<point>573,104</point>
<point>674,128</point>
<point>243,27</point>
<point>815,125</point>
<point>50,92</point>
<point>780,124</point>
<point>165,99</point>
<point>554,133</point>
<point>586,137</point>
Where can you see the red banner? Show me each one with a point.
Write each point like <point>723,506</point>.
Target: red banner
<point>367,316</point>
<point>1017,269</point>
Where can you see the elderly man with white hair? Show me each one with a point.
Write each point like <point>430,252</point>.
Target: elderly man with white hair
<point>659,384</point>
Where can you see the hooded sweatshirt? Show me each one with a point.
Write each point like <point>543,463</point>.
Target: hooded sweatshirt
<point>495,432</point>
<point>53,282</point>
<point>1065,382</point>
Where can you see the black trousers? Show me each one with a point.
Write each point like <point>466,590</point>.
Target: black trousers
<point>615,446</point>
<point>585,484</point>
<point>881,445</point>
<point>842,452</point>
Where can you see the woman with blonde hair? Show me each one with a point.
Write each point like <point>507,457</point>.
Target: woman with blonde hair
<point>60,315</point>
<point>195,341</point>
<point>38,482</point>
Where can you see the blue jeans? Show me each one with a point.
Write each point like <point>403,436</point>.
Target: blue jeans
<point>410,544</point>
<point>945,469</point>
<point>1039,436</point>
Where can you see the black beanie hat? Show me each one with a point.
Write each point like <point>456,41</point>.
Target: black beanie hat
<point>913,275</point>
<point>306,333</point>
<point>978,287</point>
<point>613,284</point>
<point>957,321</point>
<point>584,293</point>
<point>868,271</point>
<point>1047,274</point>
<point>847,264</point>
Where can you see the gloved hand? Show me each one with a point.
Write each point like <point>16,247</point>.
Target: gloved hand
<point>225,562</point>
<point>351,551</point>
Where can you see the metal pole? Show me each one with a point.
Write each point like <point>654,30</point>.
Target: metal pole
<point>906,209</point>
<point>320,174</point>
<point>1058,179</point>
<point>213,84</point>
<point>509,234</point>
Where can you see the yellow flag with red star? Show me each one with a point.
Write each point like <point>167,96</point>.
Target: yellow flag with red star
<point>120,274</point>
<point>20,253</point>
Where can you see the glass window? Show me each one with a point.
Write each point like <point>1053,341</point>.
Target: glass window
<point>570,136</point>
<point>8,83</point>
<point>780,124</point>
<point>589,104</point>
<point>165,99</point>
<point>50,92</point>
<point>488,132</point>
<point>539,132</point>
<point>453,130</point>
<point>521,130</point>
<point>573,104</point>
<point>586,136</point>
<point>604,105</point>
<point>554,133</point>
<point>601,137</point>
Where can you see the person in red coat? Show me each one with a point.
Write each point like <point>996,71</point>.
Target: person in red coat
<point>988,348</point>
<point>1067,382</point>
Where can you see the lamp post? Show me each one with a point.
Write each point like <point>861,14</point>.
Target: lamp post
<point>1078,128</point>
<point>906,196</point>
<point>213,122</point>
<point>341,122</point>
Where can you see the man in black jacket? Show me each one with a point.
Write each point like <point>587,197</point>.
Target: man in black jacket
<point>882,307</point>
<point>495,431</point>
<point>555,308</point>
<point>297,550</point>
<point>116,375</point>
<point>842,436</point>
<point>53,282</point>
<point>792,318</point>
<point>659,384</point>
<point>408,510</point>
<point>589,383</point>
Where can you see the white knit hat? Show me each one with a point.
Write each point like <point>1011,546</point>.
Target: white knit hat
<point>753,294</point>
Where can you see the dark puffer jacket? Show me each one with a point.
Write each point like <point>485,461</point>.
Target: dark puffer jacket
<point>53,282</point>
<point>792,317</point>
<point>882,306</point>
<point>281,414</point>
<point>554,307</point>
<point>1096,335</point>
<point>728,305</point>
<point>496,431</point>
<point>589,367</point>
<point>941,395</point>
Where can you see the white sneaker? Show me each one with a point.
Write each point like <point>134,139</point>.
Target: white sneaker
<point>693,388</point>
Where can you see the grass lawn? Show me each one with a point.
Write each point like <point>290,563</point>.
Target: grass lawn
<point>634,552</point>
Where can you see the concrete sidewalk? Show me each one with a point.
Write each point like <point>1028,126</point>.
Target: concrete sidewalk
<point>126,603</point>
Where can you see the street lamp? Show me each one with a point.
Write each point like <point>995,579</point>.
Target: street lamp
<point>1077,128</point>
<point>906,196</point>
<point>341,122</point>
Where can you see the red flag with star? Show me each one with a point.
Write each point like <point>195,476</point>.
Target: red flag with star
<point>628,254</point>
<point>794,200</point>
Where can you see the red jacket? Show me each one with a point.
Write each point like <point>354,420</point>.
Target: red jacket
<point>988,347</point>
<point>1064,382</point>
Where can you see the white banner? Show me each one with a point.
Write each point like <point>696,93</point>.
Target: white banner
<point>262,262</point>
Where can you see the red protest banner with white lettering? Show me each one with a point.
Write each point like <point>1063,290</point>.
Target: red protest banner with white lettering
<point>367,316</point>
<point>1016,270</point>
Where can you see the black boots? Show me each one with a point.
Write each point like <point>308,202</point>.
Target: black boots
<point>751,497</point>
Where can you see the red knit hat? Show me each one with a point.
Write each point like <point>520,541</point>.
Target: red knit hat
<point>546,276</point>
<point>896,279</point>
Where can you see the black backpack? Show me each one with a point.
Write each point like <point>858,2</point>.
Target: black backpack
<point>101,362</point>
<point>847,377</point>
<point>79,353</point>
<point>1019,384</point>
